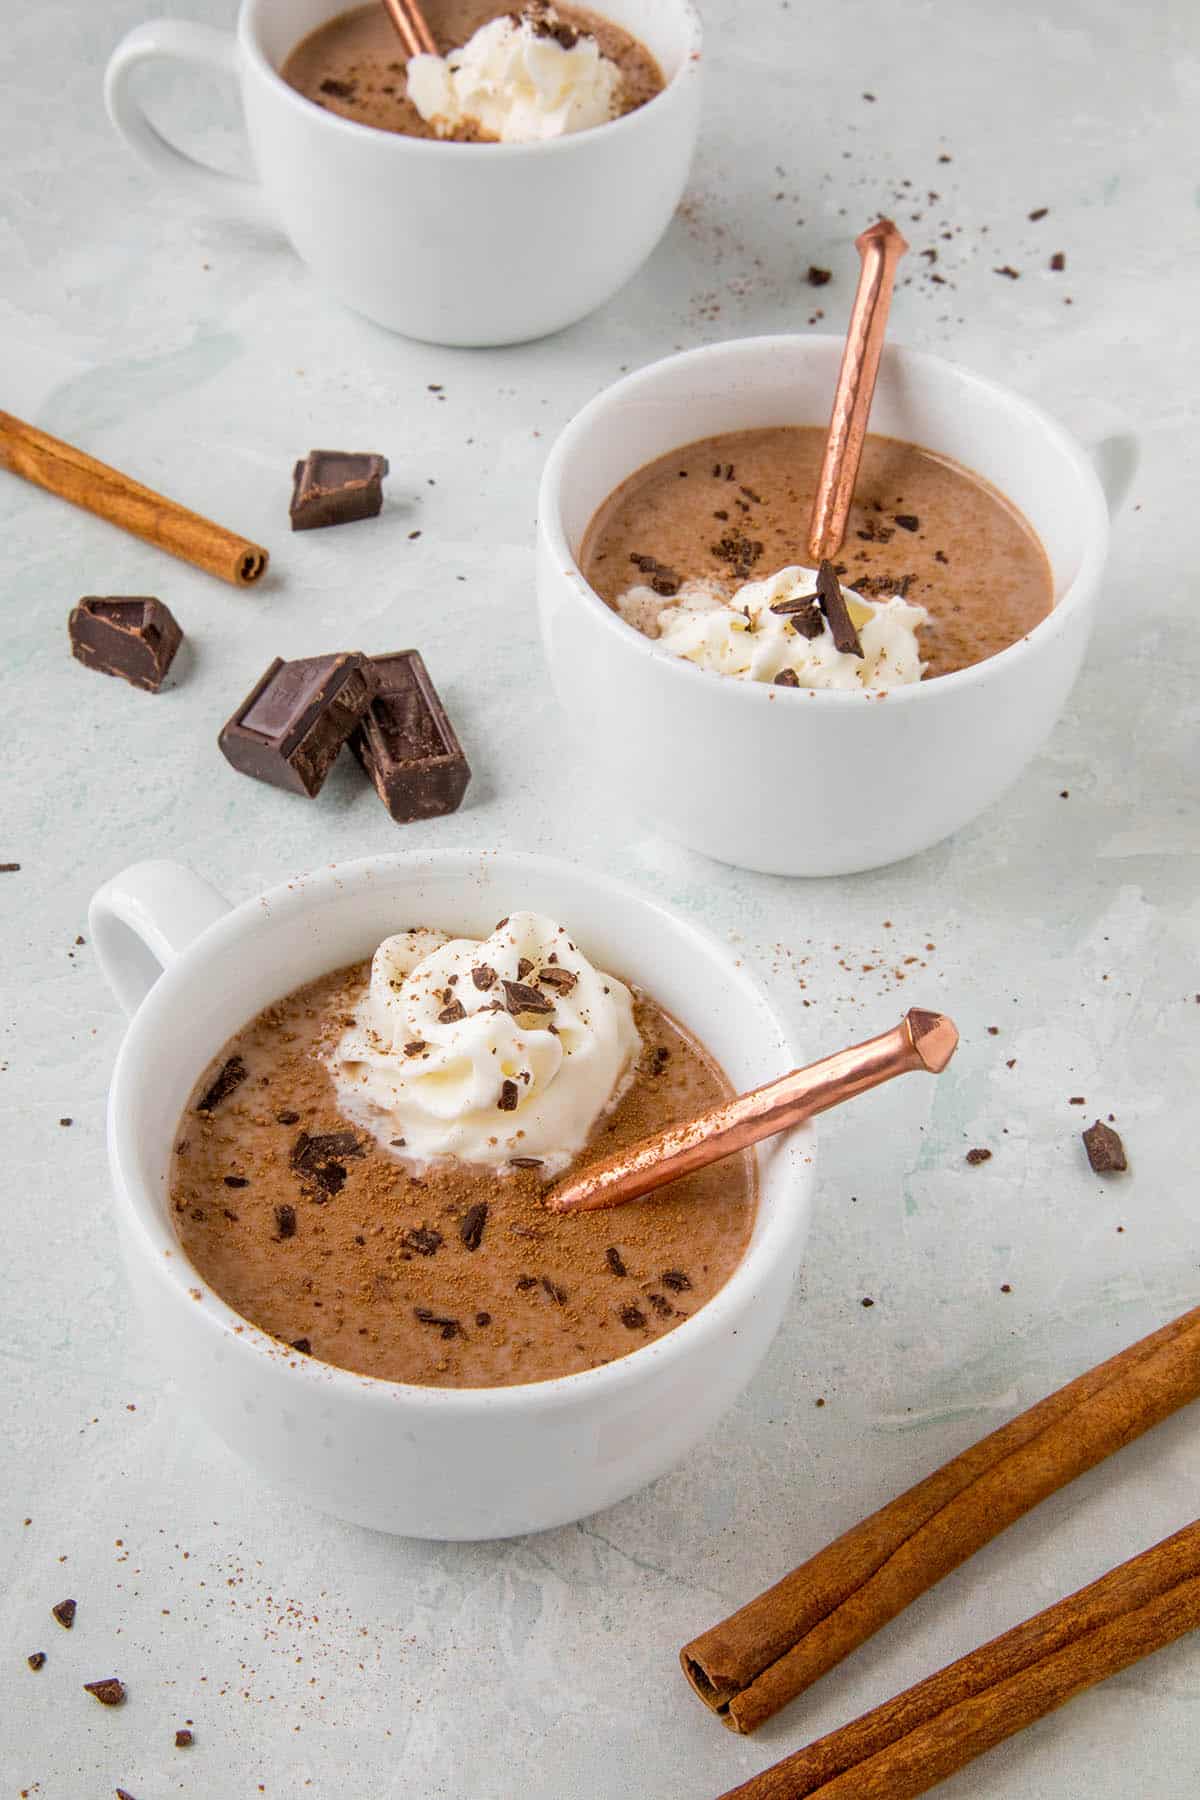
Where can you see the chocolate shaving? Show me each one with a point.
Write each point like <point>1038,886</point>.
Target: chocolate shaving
<point>834,607</point>
<point>449,1328</point>
<point>632,1317</point>
<point>471,1225</point>
<point>526,1162</point>
<point>676,1280</point>
<point>229,1077</point>
<point>484,976</point>
<point>561,980</point>
<point>803,615</point>
<point>64,1612</point>
<point>510,1093</point>
<point>615,1261</point>
<point>285,1221</point>
<point>109,1692</point>
<point>520,998</point>
<point>1105,1151</point>
<point>422,1239</point>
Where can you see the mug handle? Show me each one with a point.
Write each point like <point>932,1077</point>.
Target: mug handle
<point>199,46</point>
<point>141,920</point>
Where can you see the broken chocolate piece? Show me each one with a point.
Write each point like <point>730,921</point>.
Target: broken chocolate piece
<point>1058,262</point>
<point>302,1345</point>
<point>1105,1151</point>
<point>632,1317</point>
<point>407,744</point>
<point>423,1239</point>
<point>818,277</point>
<point>335,487</point>
<point>285,1221</point>
<point>907,521</point>
<point>135,637</point>
<point>291,726</point>
<point>520,998</point>
<point>450,1015</point>
<point>786,678</point>
<point>561,980</point>
<point>64,1612</point>
<point>471,1225</point>
<point>228,1077</point>
<point>615,1261</point>
<point>484,976</point>
<point>510,1094</point>
<point>676,1280</point>
<point>449,1327</point>
<point>109,1692</point>
<point>37,1660</point>
<point>184,1738</point>
<point>834,607</point>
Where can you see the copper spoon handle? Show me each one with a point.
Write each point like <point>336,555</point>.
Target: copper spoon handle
<point>881,246</point>
<point>412,26</point>
<point>922,1040</point>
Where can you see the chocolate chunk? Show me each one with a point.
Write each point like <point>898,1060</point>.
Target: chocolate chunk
<point>471,1225</point>
<point>422,1239</point>
<point>1058,262</point>
<point>109,1692</point>
<point>338,90</point>
<point>335,487</point>
<point>407,744</point>
<point>557,1294</point>
<point>236,1181</point>
<point>786,678</point>
<point>37,1660</point>
<point>285,1220</point>
<point>302,1345</point>
<point>615,1261</point>
<point>484,976</point>
<point>135,638</point>
<point>482,1319</point>
<point>1105,1151</point>
<point>632,1317</point>
<point>520,998</point>
<point>974,1157</point>
<point>510,1094</point>
<point>228,1077</point>
<point>184,1738</point>
<point>561,980</point>
<point>291,726</point>
<point>907,521</point>
<point>64,1612</point>
<point>450,1015</point>
<point>818,277</point>
<point>449,1328</point>
<point>834,607</point>
<point>676,1280</point>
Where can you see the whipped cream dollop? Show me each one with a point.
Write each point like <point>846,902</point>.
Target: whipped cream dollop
<point>752,635</point>
<point>486,1050</point>
<point>520,78</point>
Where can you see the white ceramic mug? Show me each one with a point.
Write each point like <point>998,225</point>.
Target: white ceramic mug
<point>455,243</point>
<point>801,781</point>
<point>423,1461</point>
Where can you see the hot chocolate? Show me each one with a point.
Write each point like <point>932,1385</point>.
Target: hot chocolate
<point>692,530</point>
<point>361,1170</point>
<point>502,76</point>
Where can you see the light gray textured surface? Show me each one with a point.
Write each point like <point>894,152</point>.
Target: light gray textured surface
<point>318,1659</point>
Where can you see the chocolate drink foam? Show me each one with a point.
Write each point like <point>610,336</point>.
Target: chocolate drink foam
<point>444,1274</point>
<point>735,508</point>
<point>354,64</point>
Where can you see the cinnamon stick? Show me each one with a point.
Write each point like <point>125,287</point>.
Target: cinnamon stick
<point>772,1649</point>
<point>75,476</point>
<point>909,1744</point>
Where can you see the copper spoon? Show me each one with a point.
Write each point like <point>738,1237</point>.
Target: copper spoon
<point>412,26</point>
<point>922,1040</point>
<point>881,246</point>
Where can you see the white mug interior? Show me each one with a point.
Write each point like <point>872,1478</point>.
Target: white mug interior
<point>584,1446</point>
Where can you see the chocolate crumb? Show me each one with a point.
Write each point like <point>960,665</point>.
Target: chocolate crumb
<point>1005,1287</point>
<point>632,1317</point>
<point>64,1612</point>
<point>66,1121</point>
<point>339,90</point>
<point>907,521</point>
<point>1105,1151</point>
<point>303,1345</point>
<point>471,1225</point>
<point>1039,212</point>
<point>1077,1100</point>
<point>1009,271</point>
<point>520,998</point>
<point>866,1301</point>
<point>183,1738</point>
<point>675,1280</point>
<point>557,1294</point>
<point>228,1078</point>
<point>482,1319</point>
<point>287,1118</point>
<point>615,1261</point>
<point>10,868</point>
<point>1058,262</point>
<point>510,1093</point>
<point>236,1181</point>
<point>661,1305</point>
<point>525,1282</point>
<point>285,1221</point>
<point>449,1328</point>
<point>415,1047</point>
<point>786,678</point>
<point>109,1692</point>
<point>121,1792</point>
<point>979,1156</point>
<point>37,1660</point>
<point>423,1239</point>
<point>818,277</point>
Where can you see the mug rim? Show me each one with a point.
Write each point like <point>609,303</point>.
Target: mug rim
<point>248,26</point>
<point>155,1235</point>
<point>1076,594</point>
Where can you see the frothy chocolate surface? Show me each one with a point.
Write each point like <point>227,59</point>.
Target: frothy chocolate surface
<point>354,64</point>
<point>451,1275</point>
<point>736,508</point>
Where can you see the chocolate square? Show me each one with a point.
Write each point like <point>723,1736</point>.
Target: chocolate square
<point>133,636</point>
<point>407,744</point>
<point>290,728</point>
<point>335,487</point>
